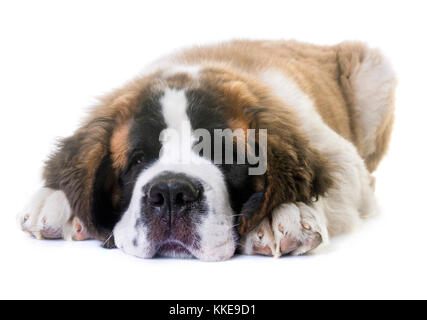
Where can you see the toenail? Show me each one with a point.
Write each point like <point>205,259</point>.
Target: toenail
<point>78,228</point>
<point>260,234</point>
<point>306,226</point>
<point>44,220</point>
<point>280,227</point>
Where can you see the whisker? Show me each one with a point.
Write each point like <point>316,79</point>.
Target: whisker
<point>233,226</point>
<point>111,234</point>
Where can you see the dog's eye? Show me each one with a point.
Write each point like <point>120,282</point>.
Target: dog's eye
<point>138,159</point>
<point>135,161</point>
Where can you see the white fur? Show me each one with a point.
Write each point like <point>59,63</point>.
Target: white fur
<point>291,216</point>
<point>216,230</point>
<point>373,81</point>
<point>169,66</point>
<point>48,210</point>
<point>253,239</point>
<point>191,70</point>
<point>352,197</point>
<point>174,107</point>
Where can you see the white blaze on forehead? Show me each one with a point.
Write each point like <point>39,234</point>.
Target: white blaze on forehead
<point>174,108</point>
<point>177,138</point>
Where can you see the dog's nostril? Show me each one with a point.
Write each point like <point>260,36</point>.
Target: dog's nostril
<point>157,200</point>
<point>157,194</point>
<point>184,192</point>
<point>179,199</point>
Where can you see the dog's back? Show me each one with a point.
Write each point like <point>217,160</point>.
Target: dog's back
<point>352,85</point>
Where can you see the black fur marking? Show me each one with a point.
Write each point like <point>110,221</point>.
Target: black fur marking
<point>203,111</point>
<point>103,213</point>
<point>253,204</point>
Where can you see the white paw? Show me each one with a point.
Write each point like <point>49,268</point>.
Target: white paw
<point>297,229</point>
<point>260,240</point>
<point>294,229</point>
<point>48,216</point>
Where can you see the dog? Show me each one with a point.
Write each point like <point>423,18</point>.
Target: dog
<point>317,118</point>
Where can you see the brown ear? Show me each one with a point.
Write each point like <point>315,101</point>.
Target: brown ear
<point>77,168</point>
<point>85,166</point>
<point>296,171</point>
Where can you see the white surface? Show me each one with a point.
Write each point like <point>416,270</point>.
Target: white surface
<point>56,57</point>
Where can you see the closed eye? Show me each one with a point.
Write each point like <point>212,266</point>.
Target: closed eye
<point>136,159</point>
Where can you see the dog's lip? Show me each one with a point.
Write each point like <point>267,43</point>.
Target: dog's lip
<point>175,246</point>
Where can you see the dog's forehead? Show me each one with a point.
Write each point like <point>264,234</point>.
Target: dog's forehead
<point>204,110</point>
<point>168,108</point>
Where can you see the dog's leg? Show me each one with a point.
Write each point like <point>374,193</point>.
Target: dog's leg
<point>298,228</point>
<point>48,216</point>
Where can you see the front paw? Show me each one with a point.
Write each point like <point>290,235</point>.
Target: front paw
<point>294,229</point>
<point>48,216</point>
<point>259,241</point>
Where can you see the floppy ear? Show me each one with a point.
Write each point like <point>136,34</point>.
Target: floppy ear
<point>296,171</point>
<point>85,166</point>
<point>81,168</point>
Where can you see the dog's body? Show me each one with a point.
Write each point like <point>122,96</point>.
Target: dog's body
<point>328,112</point>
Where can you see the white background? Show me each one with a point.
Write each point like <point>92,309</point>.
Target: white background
<point>57,56</point>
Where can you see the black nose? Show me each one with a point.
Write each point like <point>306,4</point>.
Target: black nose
<point>172,192</point>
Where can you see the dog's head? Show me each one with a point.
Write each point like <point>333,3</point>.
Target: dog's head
<point>180,164</point>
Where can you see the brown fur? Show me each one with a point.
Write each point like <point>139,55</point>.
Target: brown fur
<point>321,71</point>
<point>119,146</point>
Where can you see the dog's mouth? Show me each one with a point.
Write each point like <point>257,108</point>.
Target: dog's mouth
<point>173,248</point>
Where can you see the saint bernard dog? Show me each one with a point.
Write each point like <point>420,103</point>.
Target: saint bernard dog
<point>134,176</point>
